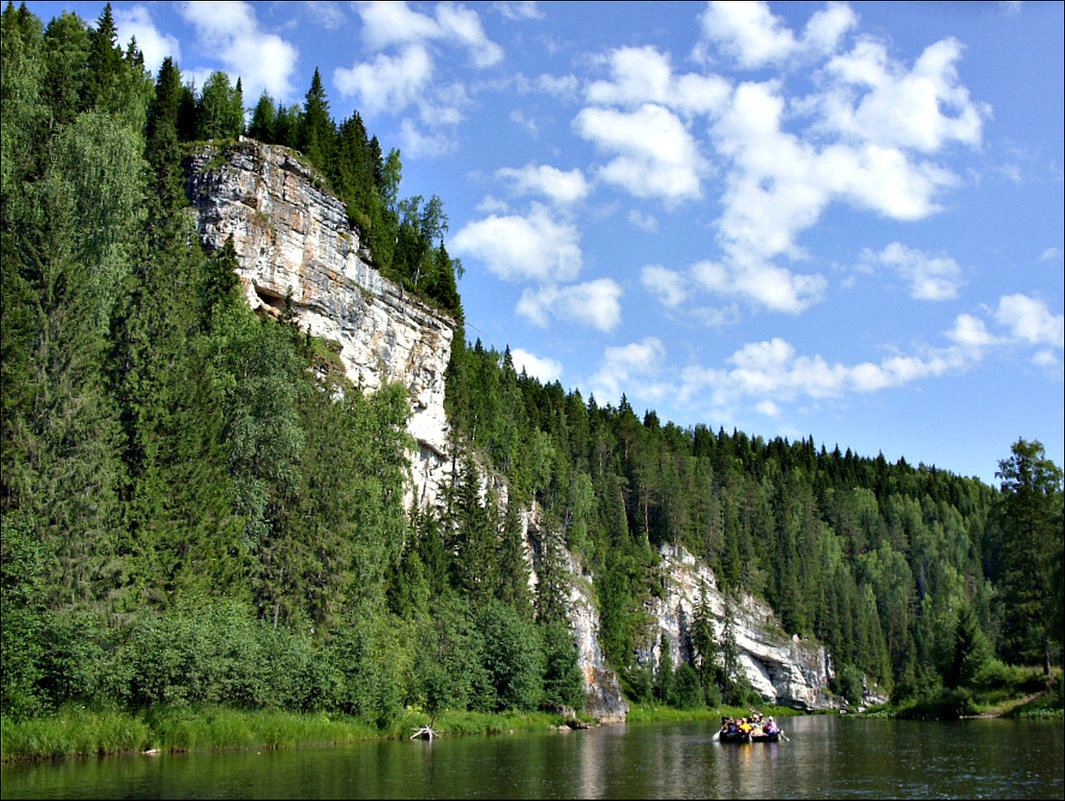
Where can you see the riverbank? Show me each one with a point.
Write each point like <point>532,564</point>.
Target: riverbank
<point>76,732</point>
<point>1026,694</point>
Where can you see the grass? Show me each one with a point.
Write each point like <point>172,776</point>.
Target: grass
<point>73,732</point>
<point>76,732</point>
<point>651,712</point>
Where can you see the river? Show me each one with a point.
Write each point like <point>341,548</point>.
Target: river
<point>825,757</point>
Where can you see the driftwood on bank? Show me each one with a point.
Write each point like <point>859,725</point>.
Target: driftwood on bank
<point>424,733</point>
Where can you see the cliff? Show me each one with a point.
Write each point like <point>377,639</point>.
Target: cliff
<point>295,247</point>
<point>784,670</point>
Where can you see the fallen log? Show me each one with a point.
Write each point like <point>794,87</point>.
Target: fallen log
<point>424,733</point>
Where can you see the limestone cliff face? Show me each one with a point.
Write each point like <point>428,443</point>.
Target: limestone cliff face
<point>293,240</point>
<point>784,670</point>
<point>604,700</point>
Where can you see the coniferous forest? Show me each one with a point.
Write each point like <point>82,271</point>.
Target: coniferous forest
<point>191,515</point>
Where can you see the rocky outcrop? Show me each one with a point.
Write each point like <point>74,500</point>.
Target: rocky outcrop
<point>784,670</point>
<point>295,247</point>
<point>604,700</point>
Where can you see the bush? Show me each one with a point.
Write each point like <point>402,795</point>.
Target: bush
<point>513,657</point>
<point>687,691</point>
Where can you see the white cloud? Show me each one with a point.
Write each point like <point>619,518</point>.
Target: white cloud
<point>645,222</point>
<point>428,141</point>
<point>669,286</point>
<point>463,25</point>
<point>778,183</point>
<point>327,13</point>
<point>595,304</point>
<point>393,82</point>
<point>230,30</point>
<point>774,287</point>
<point>628,367</point>
<point>136,22</point>
<point>389,24</point>
<point>748,32</point>
<point>1051,254</point>
<point>562,86</point>
<point>755,37</point>
<point>929,277</point>
<point>768,408</point>
<point>518,117</point>
<point>1029,320</point>
<point>656,155</point>
<point>642,75</point>
<point>875,100</point>
<point>971,332</point>
<point>519,9</point>
<point>560,187</point>
<point>514,247</point>
<point>541,367</point>
<point>388,83</point>
<point>774,372</point>
<point>862,138</point>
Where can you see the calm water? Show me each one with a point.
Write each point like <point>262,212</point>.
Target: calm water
<point>827,757</point>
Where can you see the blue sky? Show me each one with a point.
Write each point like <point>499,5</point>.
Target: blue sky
<point>832,220</point>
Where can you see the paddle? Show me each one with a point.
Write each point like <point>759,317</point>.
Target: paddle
<point>717,736</point>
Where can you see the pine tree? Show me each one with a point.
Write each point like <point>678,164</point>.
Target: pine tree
<point>1032,515</point>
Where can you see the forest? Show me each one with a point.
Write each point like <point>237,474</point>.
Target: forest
<point>192,515</point>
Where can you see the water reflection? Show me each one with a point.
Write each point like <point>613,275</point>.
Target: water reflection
<point>825,757</point>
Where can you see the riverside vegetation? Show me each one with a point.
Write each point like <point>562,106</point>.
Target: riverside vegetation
<point>204,542</point>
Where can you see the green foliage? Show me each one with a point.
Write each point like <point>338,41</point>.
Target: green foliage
<point>220,109</point>
<point>1031,550</point>
<point>514,659</point>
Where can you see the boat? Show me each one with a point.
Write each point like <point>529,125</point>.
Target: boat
<point>747,737</point>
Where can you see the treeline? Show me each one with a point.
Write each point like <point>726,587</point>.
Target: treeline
<point>196,505</point>
<point>913,577</point>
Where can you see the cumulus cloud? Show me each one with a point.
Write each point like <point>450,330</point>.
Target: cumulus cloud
<point>558,186</point>
<point>327,13</point>
<point>643,221</point>
<point>230,30</point>
<point>642,75</point>
<point>753,36</point>
<point>387,82</point>
<point>779,177</point>
<point>656,156</point>
<point>874,99</point>
<point>136,22</point>
<point>516,247</point>
<point>519,9</point>
<point>390,24</point>
<point>971,332</point>
<point>541,367</point>
<point>774,371</point>
<point>594,304</point>
<point>626,367</point>
<point>930,277</point>
<point>669,286</point>
<point>1029,320</point>
<point>774,287</point>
